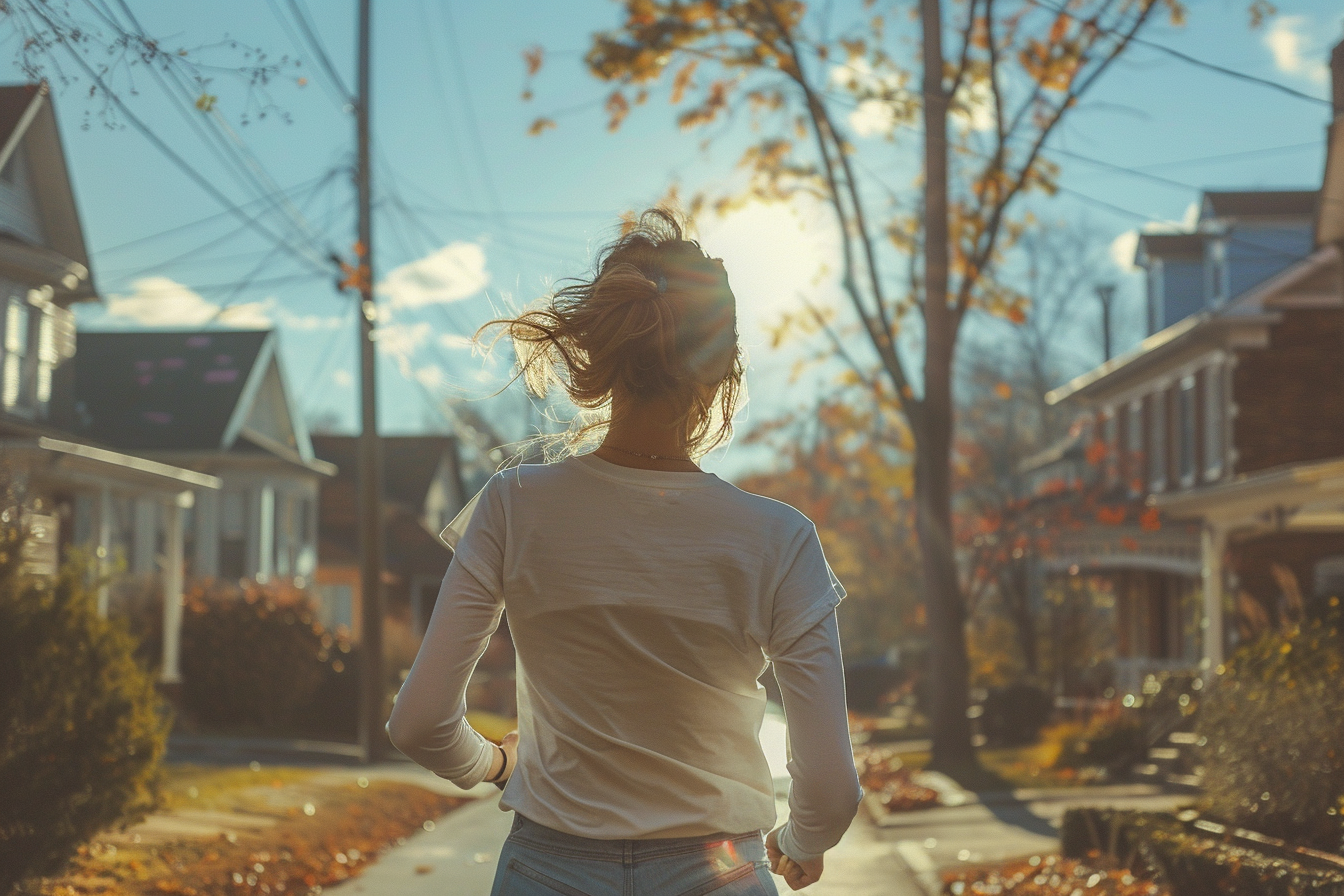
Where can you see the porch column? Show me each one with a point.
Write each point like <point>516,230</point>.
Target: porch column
<point>172,587</point>
<point>103,550</point>
<point>1213,546</point>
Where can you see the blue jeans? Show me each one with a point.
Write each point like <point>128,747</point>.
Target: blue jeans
<point>539,861</point>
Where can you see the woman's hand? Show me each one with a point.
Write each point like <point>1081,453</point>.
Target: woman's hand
<point>796,874</point>
<point>507,750</point>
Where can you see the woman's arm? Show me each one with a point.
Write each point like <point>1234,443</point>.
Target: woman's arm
<point>428,721</point>
<point>824,795</point>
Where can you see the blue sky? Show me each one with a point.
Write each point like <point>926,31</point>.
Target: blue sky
<point>474,215</point>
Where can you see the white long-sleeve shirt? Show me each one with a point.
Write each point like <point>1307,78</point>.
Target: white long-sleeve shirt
<point>644,606</point>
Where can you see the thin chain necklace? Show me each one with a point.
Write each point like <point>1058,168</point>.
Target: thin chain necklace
<point>642,454</point>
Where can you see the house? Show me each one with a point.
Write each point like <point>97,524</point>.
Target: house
<point>1231,418</point>
<point>215,402</point>
<point>422,492</point>
<point>78,490</point>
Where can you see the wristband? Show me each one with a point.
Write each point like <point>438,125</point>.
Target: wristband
<point>498,779</point>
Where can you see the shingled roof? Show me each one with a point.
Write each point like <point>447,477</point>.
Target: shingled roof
<point>1259,204</point>
<point>217,390</point>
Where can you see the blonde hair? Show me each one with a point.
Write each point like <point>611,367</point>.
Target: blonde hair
<point>656,320</point>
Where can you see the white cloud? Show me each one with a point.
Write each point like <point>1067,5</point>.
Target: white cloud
<point>455,272</point>
<point>343,378</point>
<point>1295,51</point>
<point>308,321</point>
<point>163,302</point>
<point>1122,250</point>
<point>401,341</point>
<point>456,340</point>
<point>431,376</point>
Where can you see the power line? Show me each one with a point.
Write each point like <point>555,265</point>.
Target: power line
<point>315,42</point>
<point>1185,57</point>
<point>1227,156</point>
<point>338,95</point>
<point>159,144</point>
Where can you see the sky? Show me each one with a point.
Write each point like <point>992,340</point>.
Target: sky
<point>474,217</point>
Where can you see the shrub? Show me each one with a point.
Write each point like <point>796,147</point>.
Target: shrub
<point>254,659</point>
<point>1192,861</point>
<point>1109,740</point>
<point>1015,715</point>
<point>1274,724</point>
<point>82,729</point>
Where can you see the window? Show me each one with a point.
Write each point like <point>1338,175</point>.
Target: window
<point>1185,434</point>
<point>1214,415</point>
<point>1134,448</point>
<point>1157,441</point>
<point>48,356</point>
<point>1217,272</point>
<point>16,353</point>
<point>232,534</point>
<point>336,606</point>
<point>1110,434</point>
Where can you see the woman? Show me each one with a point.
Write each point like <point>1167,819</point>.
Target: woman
<point>645,598</point>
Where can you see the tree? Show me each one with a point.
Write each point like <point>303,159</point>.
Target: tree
<point>987,108</point>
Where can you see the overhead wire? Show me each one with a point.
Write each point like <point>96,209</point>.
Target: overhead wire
<point>247,169</point>
<point>160,144</point>
<point>336,91</point>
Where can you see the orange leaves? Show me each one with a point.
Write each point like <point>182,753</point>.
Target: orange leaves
<point>1003,390</point>
<point>533,57</point>
<point>682,80</point>
<point>1096,452</point>
<point>715,102</point>
<point>540,126</point>
<point>1150,520</point>
<point>1111,516</point>
<point>617,107</point>
<point>1052,64</point>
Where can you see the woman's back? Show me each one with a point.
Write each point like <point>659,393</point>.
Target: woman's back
<point>643,605</point>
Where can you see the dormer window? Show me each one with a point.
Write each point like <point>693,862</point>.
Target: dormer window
<point>1218,272</point>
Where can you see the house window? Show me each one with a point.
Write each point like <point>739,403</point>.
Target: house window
<point>1110,434</point>
<point>1134,448</point>
<point>1217,272</point>
<point>1157,441</point>
<point>1185,434</point>
<point>336,607</point>
<point>1214,415</point>
<point>48,356</point>
<point>16,353</point>
<point>232,534</point>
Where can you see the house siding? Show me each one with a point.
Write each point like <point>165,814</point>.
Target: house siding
<point>1290,396</point>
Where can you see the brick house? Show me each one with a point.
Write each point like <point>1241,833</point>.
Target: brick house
<point>1231,418</point>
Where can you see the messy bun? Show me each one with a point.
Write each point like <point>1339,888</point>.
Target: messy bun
<point>655,320</point>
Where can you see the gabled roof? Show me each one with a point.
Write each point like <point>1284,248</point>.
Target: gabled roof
<point>28,125</point>
<point>211,391</point>
<point>410,463</point>
<point>1259,204</point>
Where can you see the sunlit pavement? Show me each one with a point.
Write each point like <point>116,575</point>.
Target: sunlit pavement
<point>902,856</point>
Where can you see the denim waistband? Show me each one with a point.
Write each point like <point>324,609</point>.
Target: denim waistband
<point>550,840</point>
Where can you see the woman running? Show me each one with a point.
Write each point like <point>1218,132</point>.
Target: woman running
<point>645,599</point>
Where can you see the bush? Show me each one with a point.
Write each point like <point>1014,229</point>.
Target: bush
<point>1194,861</point>
<point>254,660</point>
<point>1274,724</point>
<point>1109,740</point>
<point>1014,716</point>
<point>82,729</point>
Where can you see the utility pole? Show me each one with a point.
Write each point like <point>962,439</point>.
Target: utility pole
<point>1106,295</point>
<point>370,467</point>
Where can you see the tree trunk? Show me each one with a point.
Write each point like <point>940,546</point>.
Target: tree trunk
<point>949,680</point>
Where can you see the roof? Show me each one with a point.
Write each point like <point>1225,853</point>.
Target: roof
<point>1256,305</point>
<point>28,120</point>
<point>1259,204</point>
<point>199,391</point>
<point>1166,245</point>
<point>409,462</point>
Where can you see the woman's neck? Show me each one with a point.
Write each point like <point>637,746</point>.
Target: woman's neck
<point>646,435</point>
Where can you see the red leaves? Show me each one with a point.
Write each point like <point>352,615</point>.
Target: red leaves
<point>1151,520</point>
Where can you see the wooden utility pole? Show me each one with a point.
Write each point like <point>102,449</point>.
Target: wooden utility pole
<point>370,468</point>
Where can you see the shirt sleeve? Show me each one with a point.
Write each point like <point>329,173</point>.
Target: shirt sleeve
<point>807,593</point>
<point>824,792</point>
<point>428,722</point>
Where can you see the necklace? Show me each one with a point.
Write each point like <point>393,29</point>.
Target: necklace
<point>642,454</point>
